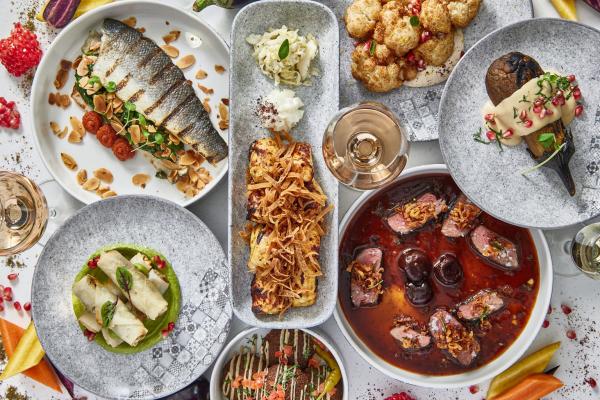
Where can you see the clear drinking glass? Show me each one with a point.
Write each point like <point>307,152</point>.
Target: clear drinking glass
<point>576,250</point>
<point>365,146</point>
<point>23,213</point>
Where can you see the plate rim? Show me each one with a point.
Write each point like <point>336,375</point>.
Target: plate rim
<point>443,100</point>
<point>36,87</point>
<point>36,276</point>
<point>423,380</point>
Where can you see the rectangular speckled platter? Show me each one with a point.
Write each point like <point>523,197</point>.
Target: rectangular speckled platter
<point>321,101</point>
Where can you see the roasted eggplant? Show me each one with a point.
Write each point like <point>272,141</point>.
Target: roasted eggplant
<point>505,76</point>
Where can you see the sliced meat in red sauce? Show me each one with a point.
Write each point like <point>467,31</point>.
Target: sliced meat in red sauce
<point>366,277</point>
<point>480,305</point>
<point>456,341</point>
<point>409,334</point>
<point>416,214</point>
<point>497,250</point>
<point>461,218</point>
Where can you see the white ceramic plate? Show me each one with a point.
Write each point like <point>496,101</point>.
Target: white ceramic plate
<point>243,338</point>
<point>90,154</point>
<point>505,360</point>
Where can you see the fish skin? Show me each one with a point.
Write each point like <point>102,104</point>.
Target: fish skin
<point>147,77</point>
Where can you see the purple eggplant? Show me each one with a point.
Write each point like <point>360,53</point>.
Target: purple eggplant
<point>58,13</point>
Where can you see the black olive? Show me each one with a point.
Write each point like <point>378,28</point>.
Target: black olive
<point>415,264</point>
<point>418,294</point>
<point>447,270</point>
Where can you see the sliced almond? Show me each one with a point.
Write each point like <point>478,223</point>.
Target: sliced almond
<point>55,128</point>
<point>68,161</point>
<point>131,22</point>
<point>171,51</point>
<point>201,74</point>
<point>186,61</point>
<point>91,184</point>
<point>219,69</point>
<point>171,36</point>
<point>116,125</point>
<point>64,100</point>
<point>102,189</point>
<point>76,62</point>
<point>141,29</point>
<point>223,116</point>
<point>174,139</point>
<point>225,101</point>
<point>104,175</point>
<point>52,99</point>
<point>187,159</point>
<point>108,194</point>
<point>74,137</point>
<point>136,133</point>
<point>77,126</point>
<point>151,128</point>
<point>206,104</point>
<point>205,89</point>
<point>99,104</point>
<point>81,176</point>
<point>65,64</point>
<point>61,78</point>
<point>140,180</point>
<point>191,192</point>
<point>182,185</point>
<point>63,133</point>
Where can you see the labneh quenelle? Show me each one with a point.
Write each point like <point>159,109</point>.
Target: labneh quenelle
<point>126,298</point>
<point>280,110</point>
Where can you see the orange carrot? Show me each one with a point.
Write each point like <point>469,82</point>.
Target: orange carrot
<point>532,388</point>
<point>43,372</point>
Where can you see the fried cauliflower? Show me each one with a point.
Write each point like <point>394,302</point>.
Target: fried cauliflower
<point>382,71</point>
<point>437,50</point>
<point>435,16</point>
<point>462,12</point>
<point>361,17</point>
<point>395,30</point>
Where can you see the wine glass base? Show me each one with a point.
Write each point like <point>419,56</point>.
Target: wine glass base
<point>61,206</point>
<point>559,242</point>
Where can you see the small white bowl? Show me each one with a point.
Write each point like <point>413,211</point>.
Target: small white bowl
<point>487,371</point>
<point>241,339</point>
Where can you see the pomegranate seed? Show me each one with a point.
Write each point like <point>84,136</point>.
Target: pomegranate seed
<point>559,93</point>
<point>549,111</point>
<point>490,118</point>
<point>12,277</point>
<point>410,57</point>
<point>537,109</point>
<point>571,334</point>
<point>550,309</point>
<point>171,326</point>
<point>523,115</point>
<point>7,294</point>
<point>566,309</point>
<point>17,306</point>
<point>425,36</point>
<point>93,263</point>
<point>577,93</point>
<point>528,123</point>
<point>543,113</point>
<point>27,306</point>
<point>421,64</point>
<point>91,337</point>
<point>367,45</point>
<point>165,332</point>
<point>571,78</point>
<point>578,110</point>
<point>556,101</point>
<point>473,389</point>
<point>591,382</point>
<point>508,134</point>
<point>490,135</point>
<point>545,324</point>
<point>538,102</point>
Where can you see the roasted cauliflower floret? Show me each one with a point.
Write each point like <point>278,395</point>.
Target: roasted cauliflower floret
<point>437,50</point>
<point>395,30</point>
<point>361,17</point>
<point>380,72</point>
<point>462,12</point>
<point>435,16</point>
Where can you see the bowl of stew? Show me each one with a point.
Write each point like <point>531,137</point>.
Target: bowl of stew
<point>432,290</point>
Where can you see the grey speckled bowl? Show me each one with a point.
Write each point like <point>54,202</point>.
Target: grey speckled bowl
<point>493,180</point>
<point>321,103</point>
<point>418,107</point>
<point>204,319</point>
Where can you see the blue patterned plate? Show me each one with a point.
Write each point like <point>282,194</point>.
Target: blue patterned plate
<point>204,319</point>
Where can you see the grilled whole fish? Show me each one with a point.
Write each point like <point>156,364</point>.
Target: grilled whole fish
<point>145,76</point>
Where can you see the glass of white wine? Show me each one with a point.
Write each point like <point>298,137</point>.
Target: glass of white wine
<point>365,146</point>
<point>576,250</point>
<point>23,213</point>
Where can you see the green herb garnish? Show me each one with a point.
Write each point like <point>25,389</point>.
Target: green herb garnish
<point>125,280</point>
<point>111,87</point>
<point>93,80</point>
<point>108,312</point>
<point>515,112</point>
<point>284,49</point>
<point>414,20</point>
<point>548,140</point>
<point>372,47</point>
<point>477,137</point>
<point>161,175</point>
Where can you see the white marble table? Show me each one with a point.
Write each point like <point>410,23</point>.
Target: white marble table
<point>578,359</point>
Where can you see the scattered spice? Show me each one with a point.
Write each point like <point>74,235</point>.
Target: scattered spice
<point>12,393</point>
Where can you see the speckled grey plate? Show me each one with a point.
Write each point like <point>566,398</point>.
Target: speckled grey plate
<point>204,319</point>
<point>418,107</point>
<point>321,103</point>
<point>493,179</point>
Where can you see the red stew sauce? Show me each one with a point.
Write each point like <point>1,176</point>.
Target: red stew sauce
<point>373,324</point>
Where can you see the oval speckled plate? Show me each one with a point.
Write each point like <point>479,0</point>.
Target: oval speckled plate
<point>204,319</point>
<point>418,107</point>
<point>493,180</point>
